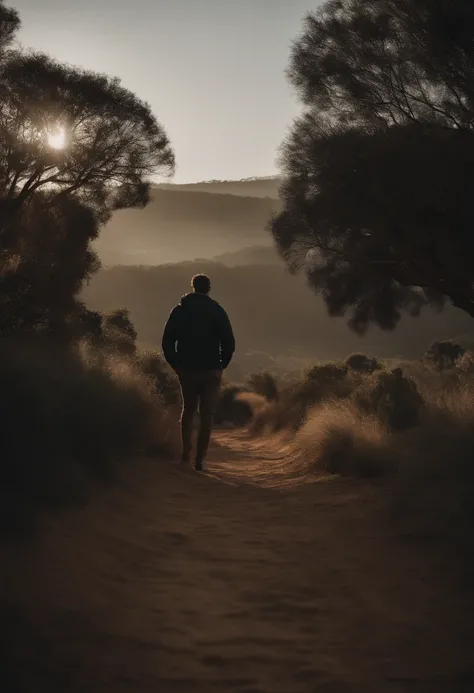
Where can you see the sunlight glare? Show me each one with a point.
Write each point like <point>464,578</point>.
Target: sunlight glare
<point>57,138</point>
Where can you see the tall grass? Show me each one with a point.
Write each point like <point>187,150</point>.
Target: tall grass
<point>414,428</point>
<point>68,419</point>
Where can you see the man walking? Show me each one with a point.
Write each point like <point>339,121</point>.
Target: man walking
<point>198,343</point>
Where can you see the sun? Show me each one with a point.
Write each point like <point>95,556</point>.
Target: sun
<point>57,138</point>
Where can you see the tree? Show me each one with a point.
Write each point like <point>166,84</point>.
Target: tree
<point>74,147</point>
<point>378,171</point>
<point>361,363</point>
<point>444,355</point>
<point>9,25</point>
<point>46,265</point>
<point>119,334</point>
<point>112,142</point>
<point>265,384</point>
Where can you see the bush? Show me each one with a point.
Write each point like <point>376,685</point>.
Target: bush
<point>341,439</point>
<point>264,384</point>
<point>230,408</point>
<point>392,398</point>
<point>465,364</point>
<point>162,377</point>
<point>326,374</point>
<point>444,355</point>
<point>321,383</point>
<point>118,333</point>
<point>434,489</point>
<point>68,418</point>
<point>361,363</point>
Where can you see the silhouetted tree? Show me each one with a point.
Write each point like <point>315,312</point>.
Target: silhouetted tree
<point>48,261</point>
<point>361,363</point>
<point>444,354</point>
<point>112,141</point>
<point>54,194</point>
<point>379,169</point>
<point>265,384</point>
<point>9,25</point>
<point>118,331</point>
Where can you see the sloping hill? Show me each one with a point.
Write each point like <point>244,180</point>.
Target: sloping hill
<point>250,187</point>
<point>180,225</point>
<point>253,255</point>
<point>271,311</point>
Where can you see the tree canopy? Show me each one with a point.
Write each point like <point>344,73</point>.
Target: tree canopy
<point>112,141</point>
<point>74,147</point>
<point>378,170</point>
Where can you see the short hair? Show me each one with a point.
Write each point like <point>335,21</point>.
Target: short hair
<point>201,283</point>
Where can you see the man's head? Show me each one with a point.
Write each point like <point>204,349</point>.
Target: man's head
<point>201,284</point>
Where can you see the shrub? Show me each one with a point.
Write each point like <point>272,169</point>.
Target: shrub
<point>340,439</point>
<point>361,363</point>
<point>163,379</point>
<point>465,364</point>
<point>264,384</point>
<point>432,496</point>
<point>444,355</point>
<point>326,373</point>
<point>68,418</point>
<point>118,333</point>
<point>230,408</point>
<point>321,383</point>
<point>391,397</point>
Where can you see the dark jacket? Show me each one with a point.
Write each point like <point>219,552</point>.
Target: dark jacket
<point>198,335</point>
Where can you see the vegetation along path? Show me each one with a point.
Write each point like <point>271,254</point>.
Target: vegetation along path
<point>244,579</point>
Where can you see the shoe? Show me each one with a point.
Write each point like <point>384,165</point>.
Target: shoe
<point>198,467</point>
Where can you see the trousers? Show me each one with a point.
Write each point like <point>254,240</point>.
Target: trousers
<point>199,390</point>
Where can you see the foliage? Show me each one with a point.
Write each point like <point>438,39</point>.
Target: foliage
<point>112,140</point>
<point>118,332</point>
<point>321,383</point>
<point>378,169</point>
<point>68,417</point>
<point>264,384</point>
<point>44,264</point>
<point>445,354</point>
<point>276,314</point>
<point>361,363</point>
<point>343,440</point>
<point>164,380</point>
<point>53,200</point>
<point>391,397</point>
<point>230,409</point>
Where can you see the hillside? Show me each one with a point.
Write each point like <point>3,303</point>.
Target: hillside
<point>272,311</point>
<point>221,227</point>
<point>253,255</point>
<point>252,187</point>
<point>181,223</point>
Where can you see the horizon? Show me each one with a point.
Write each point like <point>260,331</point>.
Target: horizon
<point>178,57</point>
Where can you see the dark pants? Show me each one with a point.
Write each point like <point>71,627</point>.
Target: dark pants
<point>201,390</point>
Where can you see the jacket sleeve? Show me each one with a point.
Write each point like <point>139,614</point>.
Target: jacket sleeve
<point>227,339</point>
<point>170,337</point>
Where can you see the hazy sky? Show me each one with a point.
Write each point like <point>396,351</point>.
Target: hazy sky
<point>212,70</point>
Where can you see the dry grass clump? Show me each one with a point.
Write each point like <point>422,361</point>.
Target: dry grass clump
<point>340,439</point>
<point>391,397</point>
<point>69,417</point>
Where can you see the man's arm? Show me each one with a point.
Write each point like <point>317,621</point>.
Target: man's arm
<point>227,339</point>
<point>170,337</point>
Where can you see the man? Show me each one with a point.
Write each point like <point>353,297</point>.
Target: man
<point>198,343</point>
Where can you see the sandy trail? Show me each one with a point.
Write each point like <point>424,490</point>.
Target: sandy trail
<point>241,580</point>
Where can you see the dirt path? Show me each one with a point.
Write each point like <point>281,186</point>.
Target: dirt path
<point>241,580</point>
